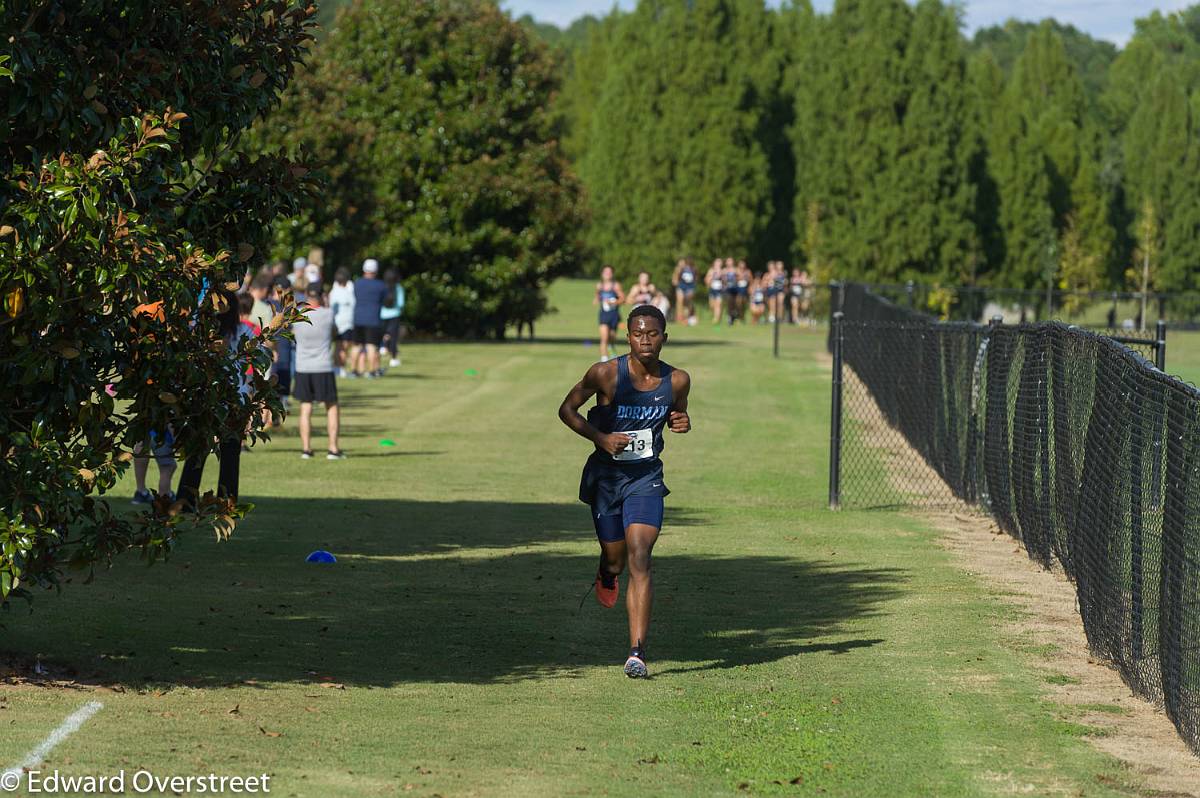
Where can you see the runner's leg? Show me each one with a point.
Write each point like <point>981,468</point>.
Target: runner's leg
<point>639,543</point>
<point>612,557</point>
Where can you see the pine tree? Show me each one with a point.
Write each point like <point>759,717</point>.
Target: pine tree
<point>850,98</point>
<point>586,71</point>
<point>985,91</point>
<point>883,139</point>
<point>674,165</point>
<point>935,228</point>
<point>1152,107</point>
<point>1044,155</point>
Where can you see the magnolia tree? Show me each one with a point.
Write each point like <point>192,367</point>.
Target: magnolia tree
<point>443,159</point>
<point>126,206</point>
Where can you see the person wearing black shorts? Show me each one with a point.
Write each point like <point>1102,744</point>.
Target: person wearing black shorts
<point>315,381</point>
<point>370,293</point>
<point>637,396</point>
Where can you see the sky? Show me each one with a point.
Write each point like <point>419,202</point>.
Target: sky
<point>1104,19</point>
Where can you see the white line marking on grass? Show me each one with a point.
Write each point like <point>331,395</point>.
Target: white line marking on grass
<point>68,727</point>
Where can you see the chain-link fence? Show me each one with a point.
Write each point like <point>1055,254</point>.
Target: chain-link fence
<point>1078,445</point>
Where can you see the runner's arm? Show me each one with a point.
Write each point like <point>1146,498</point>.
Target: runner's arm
<point>620,293</point>
<point>681,385</point>
<point>585,389</point>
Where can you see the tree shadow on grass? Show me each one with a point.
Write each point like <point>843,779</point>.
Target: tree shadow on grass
<point>471,592</point>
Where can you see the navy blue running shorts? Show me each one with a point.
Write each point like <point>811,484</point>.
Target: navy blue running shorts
<point>611,319</point>
<point>646,510</point>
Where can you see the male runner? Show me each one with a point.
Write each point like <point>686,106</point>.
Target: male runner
<point>636,396</point>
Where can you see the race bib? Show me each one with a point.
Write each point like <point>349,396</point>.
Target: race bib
<point>716,285</point>
<point>608,306</point>
<point>641,445</point>
<point>688,277</point>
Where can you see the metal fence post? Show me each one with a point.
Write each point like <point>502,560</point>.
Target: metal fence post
<point>1156,445</point>
<point>911,289</point>
<point>1136,476</point>
<point>778,319</point>
<point>1160,345</point>
<point>835,424</point>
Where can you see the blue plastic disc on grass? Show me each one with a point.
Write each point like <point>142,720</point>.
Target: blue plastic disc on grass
<point>320,555</point>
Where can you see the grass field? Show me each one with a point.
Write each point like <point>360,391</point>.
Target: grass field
<point>794,651</point>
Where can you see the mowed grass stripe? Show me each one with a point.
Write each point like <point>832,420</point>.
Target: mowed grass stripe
<point>843,651</point>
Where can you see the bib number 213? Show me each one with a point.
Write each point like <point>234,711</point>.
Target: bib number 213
<point>640,446</point>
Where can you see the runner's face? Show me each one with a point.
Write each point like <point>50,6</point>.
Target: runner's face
<point>646,339</point>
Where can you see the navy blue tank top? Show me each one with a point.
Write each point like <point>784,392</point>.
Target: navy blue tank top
<point>639,414</point>
<point>608,300</point>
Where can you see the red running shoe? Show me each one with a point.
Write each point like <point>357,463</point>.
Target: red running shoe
<point>607,596</point>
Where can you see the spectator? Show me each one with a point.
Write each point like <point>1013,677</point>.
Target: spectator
<point>246,305</point>
<point>260,289</point>
<point>297,269</point>
<point>370,294</point>
<point>164,455</point>
<point>341,302</point>
<point>164,450</point>
<point>229,449</point>
<point>390,316</point>
<point>315,380</point>
<point>312,274</point>
<point>282,366</point>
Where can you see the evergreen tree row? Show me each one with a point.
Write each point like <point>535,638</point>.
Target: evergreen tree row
<point>876,142</point>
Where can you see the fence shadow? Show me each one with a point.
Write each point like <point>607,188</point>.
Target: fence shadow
<point>476,592</point>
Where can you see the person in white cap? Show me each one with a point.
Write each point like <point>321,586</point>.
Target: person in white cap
<point>370,296</point>
<point>297,269</point>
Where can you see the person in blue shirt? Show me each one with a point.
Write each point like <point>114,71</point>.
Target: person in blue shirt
<point>370,296</point>
<point>390,315</point>
<point>637,397</point>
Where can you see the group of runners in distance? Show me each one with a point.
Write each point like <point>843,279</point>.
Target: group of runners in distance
<point>734,294</point>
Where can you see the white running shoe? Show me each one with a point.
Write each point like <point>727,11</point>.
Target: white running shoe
<point>604,358</point>
<point>394,362</point>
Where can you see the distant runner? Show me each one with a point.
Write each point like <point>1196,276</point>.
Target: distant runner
<point>637,395</point>
<point>609,297</point>
<point>715,283</point>
<point>684,280</point>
